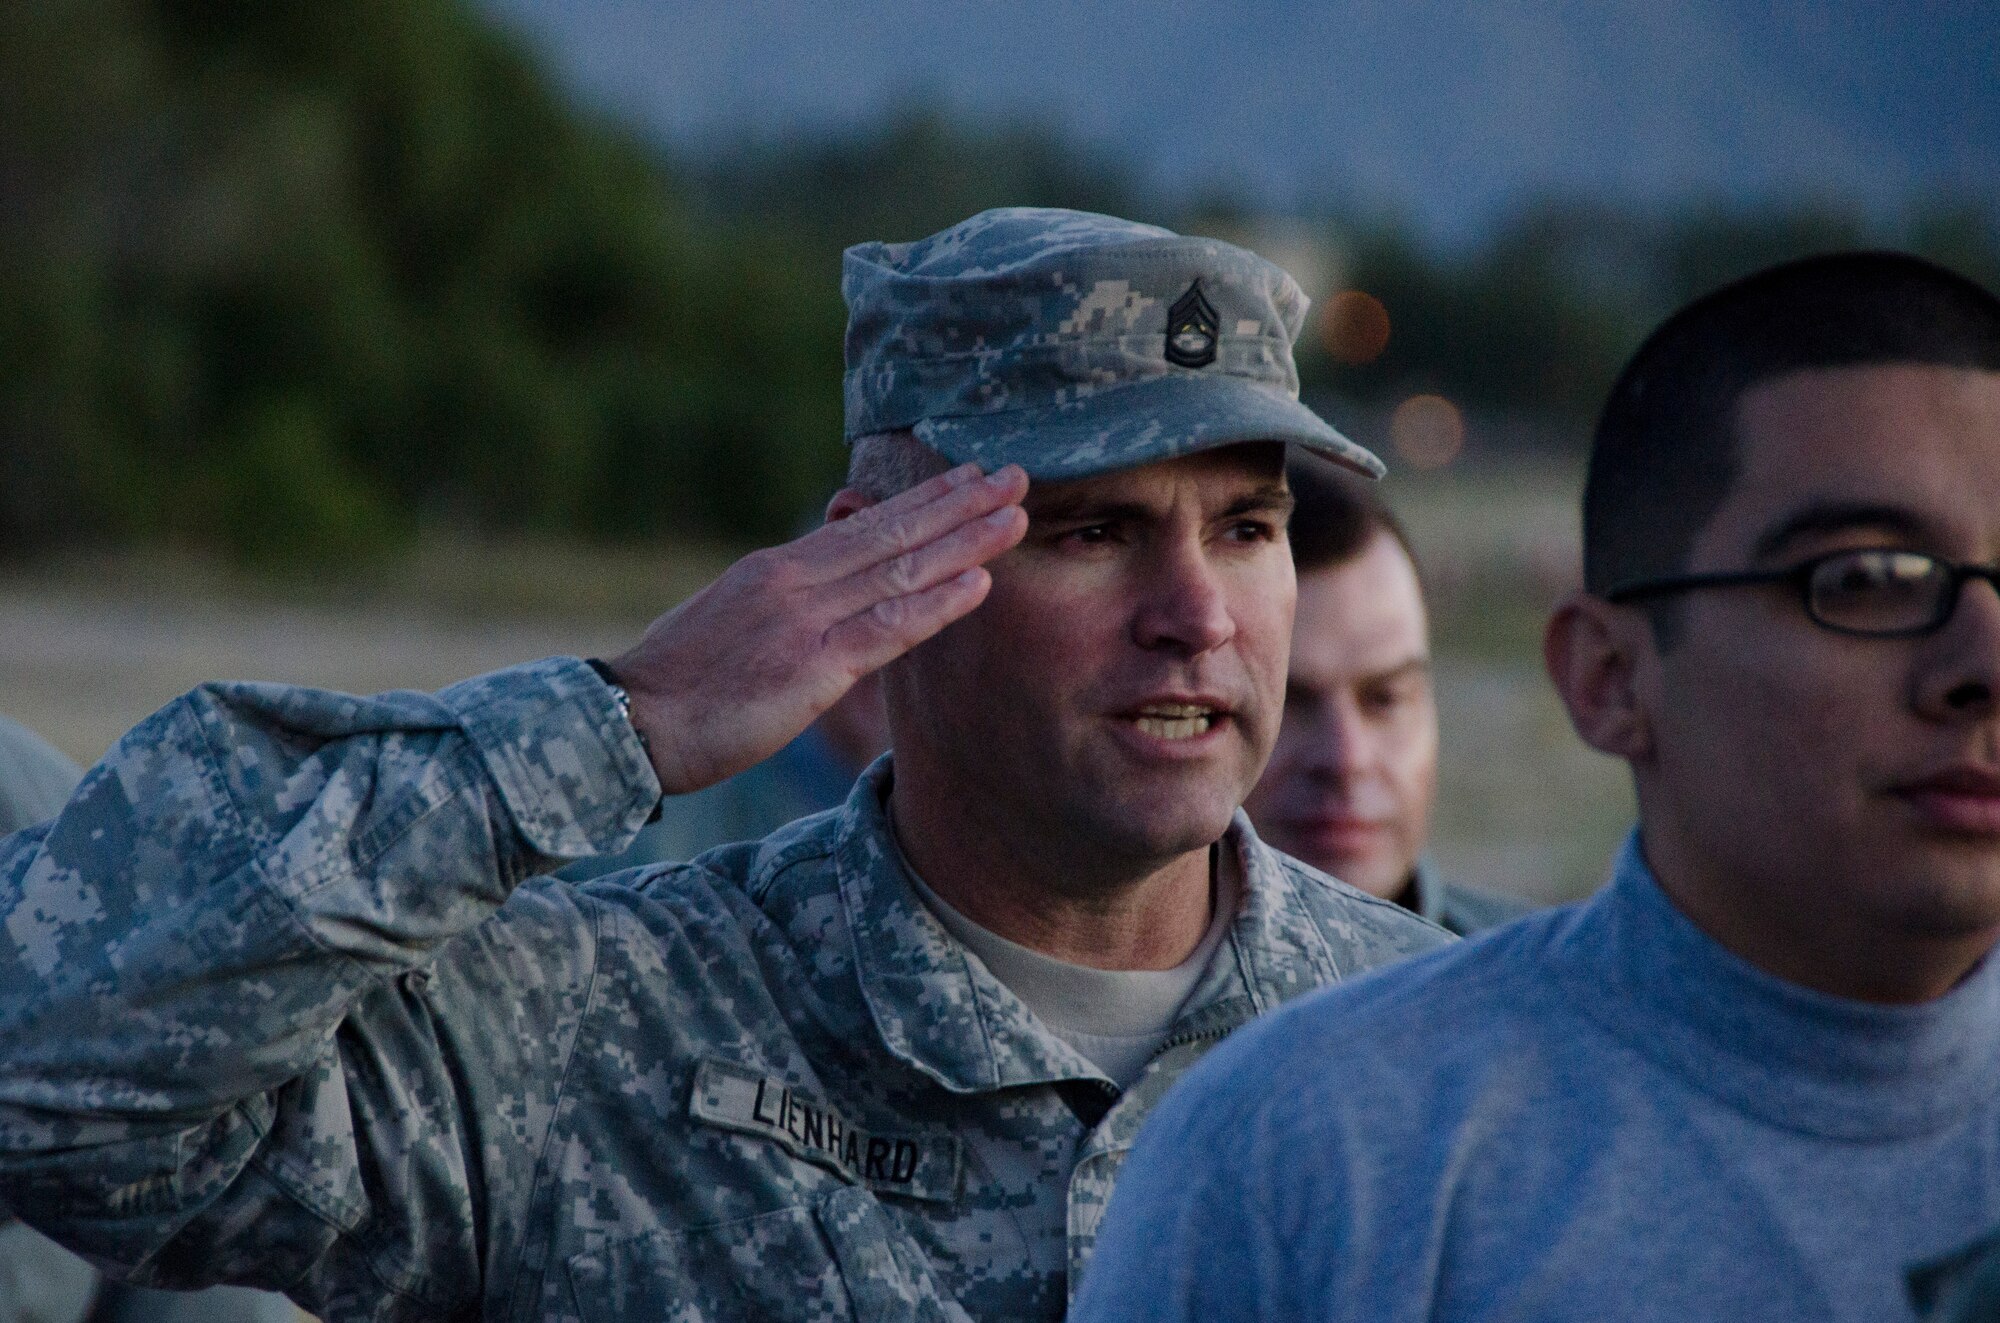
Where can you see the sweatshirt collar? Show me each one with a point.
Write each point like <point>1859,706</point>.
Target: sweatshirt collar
<point>1794,1056</point>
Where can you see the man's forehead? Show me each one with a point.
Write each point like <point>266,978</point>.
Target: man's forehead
<point>1865,412</point>
<point>1905,448</point>
<point>1223,474</point>
<point>1363,615</point>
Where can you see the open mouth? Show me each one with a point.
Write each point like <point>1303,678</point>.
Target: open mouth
<point>1175,721</point>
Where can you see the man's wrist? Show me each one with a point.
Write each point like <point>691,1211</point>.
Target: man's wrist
<point>623,698</point>
<point>619,694</point>
<point>570,779</point>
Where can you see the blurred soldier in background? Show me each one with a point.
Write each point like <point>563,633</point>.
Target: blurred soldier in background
<point>1350,784</point>
<point>1758,1075</point>
<point>41,1282</point>
<point>319,1026</point>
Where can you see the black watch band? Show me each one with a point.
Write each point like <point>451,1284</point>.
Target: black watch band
<point>618,691</point>
<point>623,699</point>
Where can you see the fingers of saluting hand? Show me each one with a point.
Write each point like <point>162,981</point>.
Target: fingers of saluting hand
<point>892,626</point>
<point>909,521</point>
<point>748,662</point>
<point>926,566</point>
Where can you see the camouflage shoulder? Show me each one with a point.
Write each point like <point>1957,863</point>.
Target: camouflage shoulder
<point>749,868</point>
<point>760,866</point>
<point>730,883</point>
<point>543,942</point>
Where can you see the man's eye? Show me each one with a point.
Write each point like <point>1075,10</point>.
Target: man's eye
<point>1390,697</point>
<point>1380,700</point>
<point>1253,530</point>
<point>1090,535</point>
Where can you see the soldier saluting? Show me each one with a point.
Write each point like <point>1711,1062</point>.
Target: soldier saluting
<point>286,1001</point>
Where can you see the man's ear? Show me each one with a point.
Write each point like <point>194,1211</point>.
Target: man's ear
<point>1593,651</point>
<point>845,502</point>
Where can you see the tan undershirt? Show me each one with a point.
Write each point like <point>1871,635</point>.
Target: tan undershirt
<point>1115,1018</point>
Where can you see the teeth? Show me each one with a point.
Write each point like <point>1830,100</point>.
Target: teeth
<point>1185,728</point>
<point>1174,721</point>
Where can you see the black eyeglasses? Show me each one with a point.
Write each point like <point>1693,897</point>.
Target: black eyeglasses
<point>1875,592</point>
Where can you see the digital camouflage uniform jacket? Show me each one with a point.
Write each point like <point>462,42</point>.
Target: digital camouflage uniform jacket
<point>280,1003</point>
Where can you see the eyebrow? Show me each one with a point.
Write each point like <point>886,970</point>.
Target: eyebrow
<point>1060,509</point>
<point>1403,670</point>
<point>1276,500</point>
<point>1414,666</point>
<point>1837,517</point>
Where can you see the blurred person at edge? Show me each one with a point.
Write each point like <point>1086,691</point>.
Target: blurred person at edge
<point>1757,1075</point>
<point>40,1282</point>
<point>1353,776</point>
<point>326,1024</point>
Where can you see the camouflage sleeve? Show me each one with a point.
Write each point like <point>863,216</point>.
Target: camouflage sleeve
<point>220,1058</point>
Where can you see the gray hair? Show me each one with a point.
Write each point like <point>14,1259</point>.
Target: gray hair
<point>883,464</point>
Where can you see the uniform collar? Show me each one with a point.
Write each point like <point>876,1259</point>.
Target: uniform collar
<point>1427,890</point>
<point>938,1009</point>
<point>1280,947</point>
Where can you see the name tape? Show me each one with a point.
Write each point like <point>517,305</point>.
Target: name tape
<point>749,1103</point>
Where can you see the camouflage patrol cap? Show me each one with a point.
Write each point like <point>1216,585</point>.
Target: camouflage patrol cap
<point>1072,343</point>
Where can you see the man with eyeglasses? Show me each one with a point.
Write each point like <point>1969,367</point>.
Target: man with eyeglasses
<point>1758,1075</point>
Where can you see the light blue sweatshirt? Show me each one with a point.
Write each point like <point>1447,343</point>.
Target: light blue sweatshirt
<point>1593,1113</point>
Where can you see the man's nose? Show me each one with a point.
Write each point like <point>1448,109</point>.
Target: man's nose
<point>1960,679</point>
<point>1337,748</point>
<point>1186,604</point>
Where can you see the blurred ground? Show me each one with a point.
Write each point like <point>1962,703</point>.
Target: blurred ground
<point>88,647</point>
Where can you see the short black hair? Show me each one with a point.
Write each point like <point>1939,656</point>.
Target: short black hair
<point>1335,515</point>
<point>1666,448</point>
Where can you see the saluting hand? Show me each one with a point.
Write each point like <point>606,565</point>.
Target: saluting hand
<point>726,678</point>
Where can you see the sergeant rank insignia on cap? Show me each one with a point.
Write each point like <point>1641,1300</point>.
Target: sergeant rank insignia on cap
<point>1191,329</point>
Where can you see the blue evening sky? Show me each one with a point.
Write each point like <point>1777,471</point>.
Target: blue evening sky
<point>1446,113</point>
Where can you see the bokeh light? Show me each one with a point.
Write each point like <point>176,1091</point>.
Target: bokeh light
<point>1354,327</point>
<point>1427,431</point>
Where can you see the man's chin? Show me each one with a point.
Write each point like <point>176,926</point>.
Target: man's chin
<point>1375,882</point>
<point>1331,851</point>
<point>1947,904</point>
<point>1158,831</point>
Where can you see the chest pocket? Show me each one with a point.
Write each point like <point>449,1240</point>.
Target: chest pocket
<point>839,1258</point>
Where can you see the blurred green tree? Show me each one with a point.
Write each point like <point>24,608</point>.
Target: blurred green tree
<point>1535,321</point>
<point>1527,323</point>
<point>291,280</point>
<point>910,172</point>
